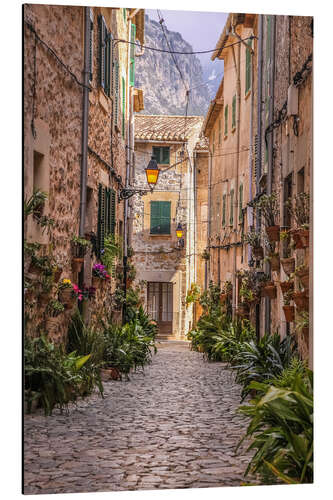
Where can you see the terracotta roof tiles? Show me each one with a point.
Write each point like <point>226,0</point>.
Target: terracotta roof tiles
<point>165,127</point>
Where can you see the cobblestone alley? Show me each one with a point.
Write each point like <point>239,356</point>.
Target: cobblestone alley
<point>175,426</point>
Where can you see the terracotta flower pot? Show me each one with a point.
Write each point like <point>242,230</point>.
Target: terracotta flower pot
<point>57,275</point>
<point>258,253</point>
<point>77,263</point>
<point>273,233</point>
<point>303,276</point>
<point>289,313</point>
<point>288,265</point>
<point>96,282</point>
<point>301,300</point>
<point>66,297</point>
<point>269,290</point>
<point>275,262</point>
<point>52,325</point>
<point>286,286</point>
<point>301,237</point>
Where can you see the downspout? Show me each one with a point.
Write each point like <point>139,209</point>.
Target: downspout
<point>195,191</point>
<point>85,113</point>
<point>128,161</point>
<point>238,91</point>
<point>250,209</point>
<point>207,262</point>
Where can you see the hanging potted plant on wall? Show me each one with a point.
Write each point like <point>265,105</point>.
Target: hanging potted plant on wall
<point>289,310</point>
<point>99,275</point>
<point>269,209</point>
<point>301,300</point>
<point>302,272</point>
<point>254,239</point>
<point>288,265</point>
<point>46,287</point>
<point>268,289</point>
<point>205,254</point>
<point>53,310</point>
<point>287,285</point>
<point>79,248</point>
<point>300,211</point>
<point>66,293</point>
<point>274,260</point>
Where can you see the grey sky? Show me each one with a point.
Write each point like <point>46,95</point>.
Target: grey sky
<point>200,29</point>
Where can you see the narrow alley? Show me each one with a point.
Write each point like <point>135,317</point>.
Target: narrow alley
<point>173,426</point>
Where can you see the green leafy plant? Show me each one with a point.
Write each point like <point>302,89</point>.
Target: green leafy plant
<point>35,203</point>
<point>302,321</point>
<point>253,238</point>
<point>205,255</point>
<point>281,428</point>
<point>54,308</point>
<point>193,294</point>
<point>299,209</point>
<point>111,252</point>
<point>269,208</point>
<point>80,246</point>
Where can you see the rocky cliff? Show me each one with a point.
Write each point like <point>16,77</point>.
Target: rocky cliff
<point>157,75</point>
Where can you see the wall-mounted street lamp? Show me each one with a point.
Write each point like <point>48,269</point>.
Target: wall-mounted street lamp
<point>179,230</point>
<point>152,173</point>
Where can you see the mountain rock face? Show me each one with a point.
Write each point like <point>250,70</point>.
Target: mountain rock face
<point>156,73</point>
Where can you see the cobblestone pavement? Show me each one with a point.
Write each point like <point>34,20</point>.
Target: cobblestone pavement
<point>175,426</point>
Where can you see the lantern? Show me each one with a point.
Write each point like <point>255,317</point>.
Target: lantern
<point>179,231</point>
<point>152,172</point>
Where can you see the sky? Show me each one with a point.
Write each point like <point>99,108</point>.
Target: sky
<point>201,29</point>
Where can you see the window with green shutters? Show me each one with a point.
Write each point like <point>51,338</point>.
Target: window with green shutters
<point>132,56</point>
<point>124,15</point>
<point>115,92</point>
<point>226,120</point>
<point>231,218</point>
<point>106,222</point>
<point>224,209</point>
<point>241,203</point>
<point>104,55</point>
<point>248,67</point>
<point>233,121</point>
<point>91,44</point>
<point>160,217</point>
<point>220,131</point>
<point>123,111</point>
<point>162,154</point>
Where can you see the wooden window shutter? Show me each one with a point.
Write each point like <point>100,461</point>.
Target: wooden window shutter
<point>165,155</point>
<point>248,68</point>
<point>132,56</point>
<point>160,212</point>
<point>108,64</point>
<point>115,83</point>
<point>165,216</point>
<point>224,208</point>
<point>101,219</point>
<point>241,203</point>
<point>156,154</point>
<point>101,51</point>
<point>123,90</point>
<point>154,217</point>
<point>231,218</point>
<point>233,124</point>
<point>226,120</point>
<point>91,44</point>
<point>112,211</point>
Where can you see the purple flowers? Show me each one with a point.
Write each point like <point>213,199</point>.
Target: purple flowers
<point>100,271</point>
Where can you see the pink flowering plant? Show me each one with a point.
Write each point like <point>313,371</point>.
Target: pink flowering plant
<point>99,270</point>
<point>88,292</point>
<point>77,292</point>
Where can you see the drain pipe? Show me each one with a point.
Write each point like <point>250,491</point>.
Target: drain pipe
<point>85,112</point>
<point>207,262</point>
<point>238,91</point>
<point>250,209</point>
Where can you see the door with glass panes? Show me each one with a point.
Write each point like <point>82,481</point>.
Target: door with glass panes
<point>160,305</point>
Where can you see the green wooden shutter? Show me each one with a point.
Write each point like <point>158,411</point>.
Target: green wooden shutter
<point>224,208</point>
<point>165,155</point>
<point>233,124</point>
<point>165,216</point>
<point>231,218</point>
<point>123,90</point>
<point>112,211</point>
<point>241,203</point>
<point>116,93</point>
<point>124,15</point>
<point>156,154</point>
<point>154,217</point>
<point>108,65</point>
<point>226,120</point>
<point>101,50</point>
<point>101,219</point>
<point>132,55</point>
<point>91,44</point>
<point>248,68</point>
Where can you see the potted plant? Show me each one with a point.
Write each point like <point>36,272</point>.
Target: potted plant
<point>300,211</point>
<point>268,290</point>
<point>301,300</point>
<point>193,294</point>
<point>289,311</point>
<point>269,209</point>
<point>131,274</point>
<point>205,254</point>
<point>99,275</point>
<point>288,265</point>
<point>287,285</point>
<point>79,248</point>
<point>242,310</point>
<point>46,286</point>
<point>254,239</point>
<point>35,204</point>
<point>228,288</point>
<point>302,323</point>
<point>274,259</point>
<point>66,293</point>
<point>53,310</point>
<point>302,272</point>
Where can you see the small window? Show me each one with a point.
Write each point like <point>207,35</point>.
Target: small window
<point>162,155</point>
<point>233,121</point>
<point>106,221</point>
<point>231,219</point>
<point>104,56</point>
<point>226,120</point>
<point>160,217</point>
<point>248,67</point>
<point>123,111</point>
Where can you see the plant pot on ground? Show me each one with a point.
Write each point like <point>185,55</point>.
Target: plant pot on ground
<point>289,313</point>
<point>301,300</point>
<point>269,290</point>
<point>288,265</point>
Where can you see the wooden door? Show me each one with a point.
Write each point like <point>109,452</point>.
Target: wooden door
<point>160,305</point>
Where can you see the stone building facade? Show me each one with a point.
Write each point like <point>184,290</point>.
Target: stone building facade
<point>78,101</point>
<point>273,155</point>
<point>165,269</point>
